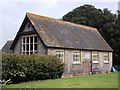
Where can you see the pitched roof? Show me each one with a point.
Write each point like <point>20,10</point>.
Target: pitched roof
<point>62,34</point>
<point>6,47</point>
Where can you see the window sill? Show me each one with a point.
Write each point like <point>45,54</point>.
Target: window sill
<point>76,63</point>
<point>95,62</point>
<point>106,62</point>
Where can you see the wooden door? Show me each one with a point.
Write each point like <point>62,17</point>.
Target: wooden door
<point>87,63</point>
<point>86,67</point>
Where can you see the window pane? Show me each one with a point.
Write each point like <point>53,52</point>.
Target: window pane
<point>31,47</point>
<point>35,39</point>
<point>95,56</point>
<point>31,39</point>
<point>60,55</point>
<point>23,39</point>
<point>27,47</point>
<point>35,46</point>
<point>27,41</point>
<point>76,56</point>
<point>106,56</point>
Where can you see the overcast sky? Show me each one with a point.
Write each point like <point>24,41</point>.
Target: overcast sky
<point>12,12</point>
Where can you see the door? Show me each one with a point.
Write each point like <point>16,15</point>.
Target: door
<point>87,62</point>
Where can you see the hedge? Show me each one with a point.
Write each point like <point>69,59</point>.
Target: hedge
<point>21,68</point>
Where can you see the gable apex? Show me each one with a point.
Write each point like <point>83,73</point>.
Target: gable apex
<point>25,28</point>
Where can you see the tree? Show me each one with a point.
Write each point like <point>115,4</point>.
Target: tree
<point>116,39</point>
<point>107,23</point>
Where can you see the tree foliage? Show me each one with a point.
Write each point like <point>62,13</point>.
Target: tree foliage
<point>107,23</point>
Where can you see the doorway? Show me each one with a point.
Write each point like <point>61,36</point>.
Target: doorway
<point>87,62</point>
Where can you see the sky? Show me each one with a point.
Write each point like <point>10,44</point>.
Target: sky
<point>119,5</point>
<point>12,12</point>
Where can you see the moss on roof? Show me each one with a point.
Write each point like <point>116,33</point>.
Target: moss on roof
<point>59,21</point>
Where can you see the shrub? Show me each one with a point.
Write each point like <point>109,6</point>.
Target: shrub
<point>20,68</point>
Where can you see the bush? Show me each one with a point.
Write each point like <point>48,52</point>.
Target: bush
<point>20,68</point>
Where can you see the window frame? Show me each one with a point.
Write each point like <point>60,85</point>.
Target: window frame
<point>106,54</point>
<point>75,53</point>
<point>59,54</point>
<point>95,54</point>
<point>28,43</point>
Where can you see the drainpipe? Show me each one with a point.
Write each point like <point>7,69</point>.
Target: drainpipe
<point>91,62</point>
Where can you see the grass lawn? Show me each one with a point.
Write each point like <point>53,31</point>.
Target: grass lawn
<point>109,80</point>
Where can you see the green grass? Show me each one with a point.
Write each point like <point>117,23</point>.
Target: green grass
<point>90,81</point>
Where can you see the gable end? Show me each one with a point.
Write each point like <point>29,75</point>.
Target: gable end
<point>25,31</point>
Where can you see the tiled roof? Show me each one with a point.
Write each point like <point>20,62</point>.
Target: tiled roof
<point>58,33</point>
<point>62,34</point>
<point>6,47</point>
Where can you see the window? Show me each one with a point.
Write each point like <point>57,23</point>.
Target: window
<point>95,57</point>
<point>106,57</point>
<point>28,25</point>
<point>60,54</point>
<point>76,57</point>
<point>29,44</point>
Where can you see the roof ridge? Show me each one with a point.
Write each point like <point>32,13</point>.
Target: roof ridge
<point>60,21</point>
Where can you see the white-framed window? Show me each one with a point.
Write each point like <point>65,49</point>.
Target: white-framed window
<point>60,55</point>
<point>95,57</point>
<point>76,57</point>
<point>106,57</point>
<point>29,44</point>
